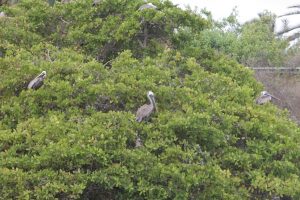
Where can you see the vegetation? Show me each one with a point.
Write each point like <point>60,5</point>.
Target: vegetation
<point>252,44</point>
<point>74,137</point>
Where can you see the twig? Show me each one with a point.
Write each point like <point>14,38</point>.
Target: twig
<point>48,56</point>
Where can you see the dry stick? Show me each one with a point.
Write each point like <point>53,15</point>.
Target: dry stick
<point>48,56</point>
<point>145,35</point>
<point>108,62</point>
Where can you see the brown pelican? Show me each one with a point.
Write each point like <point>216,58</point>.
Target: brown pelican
<point>264,98</point>
<point>148,6</point>
<point>37,82</point>
<point>145,111</point>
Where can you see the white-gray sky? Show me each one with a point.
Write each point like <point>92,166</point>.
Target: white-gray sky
<point>247,9</point>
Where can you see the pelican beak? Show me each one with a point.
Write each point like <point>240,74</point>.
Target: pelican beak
<point>154,102</point>
<point>275,97</point>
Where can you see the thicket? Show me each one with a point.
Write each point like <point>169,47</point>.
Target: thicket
<point>74,138</point>
<point>253,43</point>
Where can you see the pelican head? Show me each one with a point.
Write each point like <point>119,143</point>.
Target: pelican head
<point>150,94</point>
<point>264,93</point>
<point>43,74</point>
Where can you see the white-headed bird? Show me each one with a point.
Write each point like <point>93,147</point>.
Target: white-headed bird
<point>37,82</point>
<point>145,110</point>
<point>143,113</point>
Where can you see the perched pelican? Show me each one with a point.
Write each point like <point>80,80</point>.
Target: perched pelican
<point>148,6</point>
<point>145,111</point>
<point>37,82</point>
<point>265,97</point>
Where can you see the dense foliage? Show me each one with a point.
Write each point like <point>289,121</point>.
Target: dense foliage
<point>74,138</point>
<point>252,44</point>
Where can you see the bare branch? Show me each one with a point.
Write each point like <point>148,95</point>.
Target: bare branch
<point>64,21</point>
<point>107,63</point>
<point>141,44</point>
<point>48,56</point>
<point>286,30</point>
<point>295,6</point>
<point>290,13</point>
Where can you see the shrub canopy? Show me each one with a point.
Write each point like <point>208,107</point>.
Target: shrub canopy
<point>74,138</point>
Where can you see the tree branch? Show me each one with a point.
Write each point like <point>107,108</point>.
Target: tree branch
<point>145,35</point>
<point>286,30</point>
<point>295,6</point>
<point>290,13</point>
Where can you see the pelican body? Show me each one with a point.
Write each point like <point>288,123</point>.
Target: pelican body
<point>37,82</point>
<point>264,98</point>
<point>145,111</point>
<point>96,2</point>
<point>147,6</point>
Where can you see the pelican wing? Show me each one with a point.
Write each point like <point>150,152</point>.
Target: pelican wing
<point>31,83</point>
<point>147,6</point>
<point>143,112</point>
<point>263,99</point>
<point>36,83</point>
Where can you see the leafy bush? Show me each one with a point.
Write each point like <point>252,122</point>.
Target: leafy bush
<point>253,44</point>
<point>74,138</point>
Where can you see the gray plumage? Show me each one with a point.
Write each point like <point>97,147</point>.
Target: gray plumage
<point>96,2</point>
<point>264,98</point>
<point>37,82</point>
<point>145,111</point>
<point>148,6</point>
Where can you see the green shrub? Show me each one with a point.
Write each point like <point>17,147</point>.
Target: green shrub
<point>74,138</point>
